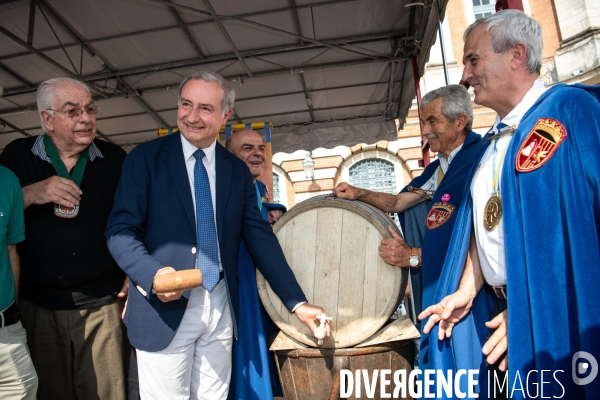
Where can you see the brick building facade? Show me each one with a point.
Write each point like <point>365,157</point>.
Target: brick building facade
<point>571,32</point>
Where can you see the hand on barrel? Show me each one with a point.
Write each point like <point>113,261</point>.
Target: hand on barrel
<point>309,314</point>
<point>274,215</point>
<point>346,191</point>
<point>170,296</point>
<point>394,250</point>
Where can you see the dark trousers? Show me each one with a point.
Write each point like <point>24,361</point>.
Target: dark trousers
<point>133,388</point>
<point>78,354</point>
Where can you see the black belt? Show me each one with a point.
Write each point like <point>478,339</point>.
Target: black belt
<point>501,292</point>
<point>10,316</point>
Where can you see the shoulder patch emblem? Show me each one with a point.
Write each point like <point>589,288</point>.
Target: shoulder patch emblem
<point>540,144</point>
<point>438,215</point>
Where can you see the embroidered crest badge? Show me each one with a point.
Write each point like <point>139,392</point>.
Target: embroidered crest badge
<point>540,144</point>
<point>439,214</point>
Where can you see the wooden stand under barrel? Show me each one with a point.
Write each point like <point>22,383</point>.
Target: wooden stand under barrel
<point>314,374</point>
<point>332,245</point>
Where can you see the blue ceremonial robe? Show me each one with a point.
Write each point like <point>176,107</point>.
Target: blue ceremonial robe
<point>254,374</point>
<point>434,242</point>
<point>551,223</point>
<point>437,238</point>
<point>263,198</point>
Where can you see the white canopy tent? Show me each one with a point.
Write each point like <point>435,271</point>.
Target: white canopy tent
<point>327,73</point>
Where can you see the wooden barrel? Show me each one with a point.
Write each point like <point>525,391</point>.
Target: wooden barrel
<point>332,245</point>
<point>315,373</point>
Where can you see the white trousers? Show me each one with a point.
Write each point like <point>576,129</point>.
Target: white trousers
<point>18,379</point>
<point>197,363</point>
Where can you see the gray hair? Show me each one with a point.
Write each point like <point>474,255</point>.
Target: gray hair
<point>211,77</point>
<point>45,93</point>
<point>509,27</point>
<point>455,101</point>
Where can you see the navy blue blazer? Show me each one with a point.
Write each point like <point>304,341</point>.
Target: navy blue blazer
<point>153,225</point>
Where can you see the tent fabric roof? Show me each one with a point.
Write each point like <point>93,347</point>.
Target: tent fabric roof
<point>327,73</point>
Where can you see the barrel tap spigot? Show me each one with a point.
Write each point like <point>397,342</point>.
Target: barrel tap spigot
<point>321,332</point>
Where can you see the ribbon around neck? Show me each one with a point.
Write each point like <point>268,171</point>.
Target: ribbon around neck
<point>59,165</point>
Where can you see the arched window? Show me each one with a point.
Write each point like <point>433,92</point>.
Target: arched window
<point>376,175</point>
<point>276,197</point>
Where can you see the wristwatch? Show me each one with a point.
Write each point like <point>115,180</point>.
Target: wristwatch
<point>413,260</point>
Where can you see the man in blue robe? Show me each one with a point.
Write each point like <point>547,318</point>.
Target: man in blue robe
<point>254,374</point>
<point>528,231</point>
<point>446,116</point>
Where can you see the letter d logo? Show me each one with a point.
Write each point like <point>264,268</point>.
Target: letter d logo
<point>581,367</point>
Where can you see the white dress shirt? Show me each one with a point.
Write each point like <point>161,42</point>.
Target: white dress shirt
<point>490,245</point>
<point>209,163</point>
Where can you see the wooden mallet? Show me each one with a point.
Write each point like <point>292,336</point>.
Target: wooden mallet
<point>179,280</point>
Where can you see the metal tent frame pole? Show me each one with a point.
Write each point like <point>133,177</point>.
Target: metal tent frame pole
<point>424,144</point>
<point>442,45</point>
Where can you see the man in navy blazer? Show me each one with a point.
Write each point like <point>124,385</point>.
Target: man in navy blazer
<point>184,339</point>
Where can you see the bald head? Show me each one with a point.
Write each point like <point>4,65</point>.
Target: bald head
<point>249,147</point>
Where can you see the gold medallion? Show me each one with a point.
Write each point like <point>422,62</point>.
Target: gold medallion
<point>492,212</point>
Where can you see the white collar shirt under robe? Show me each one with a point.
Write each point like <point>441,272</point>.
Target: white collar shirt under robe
<point>490,245</point>
<point>432,182</point>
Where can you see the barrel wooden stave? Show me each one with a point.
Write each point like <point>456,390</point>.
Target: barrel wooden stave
<point>309,375</point>
<point>331,245</point>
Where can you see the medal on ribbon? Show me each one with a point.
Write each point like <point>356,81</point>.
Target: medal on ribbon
<point>492,212</point>
<point>61,170</point>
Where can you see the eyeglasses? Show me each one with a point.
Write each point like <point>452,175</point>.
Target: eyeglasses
<point>76,112</point>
